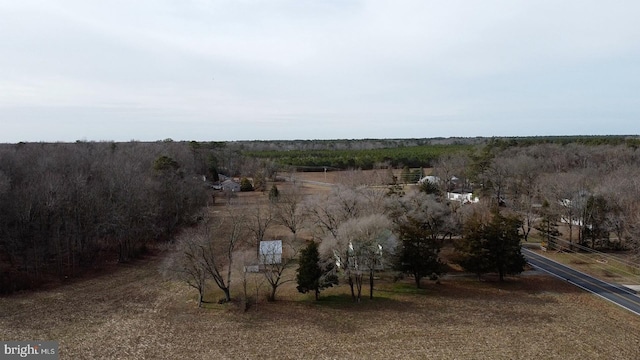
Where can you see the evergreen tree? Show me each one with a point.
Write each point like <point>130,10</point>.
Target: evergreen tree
<point>310,275</point>
<point>492,245</point>
<point>596,211</point>
<point>274,194</point>
<point>245,185</point>
<point>212,168</point>
<point>430,188</point>
<point>548,225</point>
<point>418,255</point>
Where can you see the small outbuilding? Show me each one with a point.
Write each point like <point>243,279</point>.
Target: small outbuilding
<point>270,252</point>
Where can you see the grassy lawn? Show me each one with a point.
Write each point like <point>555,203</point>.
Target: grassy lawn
<point>597,266</point>
<point>133,313</point>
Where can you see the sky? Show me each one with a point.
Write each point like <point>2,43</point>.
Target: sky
<point>224,70</point>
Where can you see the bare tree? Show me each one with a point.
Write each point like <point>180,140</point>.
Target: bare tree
<point>436,218</point>
<point>328,211</point>
<point>565,192</point>
<point>287,210</point>
<point>260,218</point>
<point>275,258</point>
<point>245,264</point>
<point>449,167</point>
<point>522,187</point>
<point>621,191</point>
<point>185,263</point>
<point>359,248</point>
<point>224,234</point>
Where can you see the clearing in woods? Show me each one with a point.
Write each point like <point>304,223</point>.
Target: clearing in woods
<point>132,312</point>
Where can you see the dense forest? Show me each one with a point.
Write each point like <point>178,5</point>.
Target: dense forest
<point>67,207</point>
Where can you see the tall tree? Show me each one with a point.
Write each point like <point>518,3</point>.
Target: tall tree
<point>217,252</point>
<point>259,220</point>
<point>491,245</point>
<point>185,263</point>
<point>310,274</point>
<point>418,254</point>
<point>548,225</point>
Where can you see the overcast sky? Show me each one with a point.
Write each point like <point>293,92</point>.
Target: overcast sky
<point>313,69</point>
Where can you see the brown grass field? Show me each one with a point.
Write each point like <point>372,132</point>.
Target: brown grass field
<point>132,312</point>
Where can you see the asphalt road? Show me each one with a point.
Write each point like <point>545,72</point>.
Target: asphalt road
<point>617,294</point>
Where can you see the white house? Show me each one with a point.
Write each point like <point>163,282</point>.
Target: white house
<point>429,178</point>
<point>463,197</point>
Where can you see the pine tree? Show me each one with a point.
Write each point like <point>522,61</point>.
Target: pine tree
<point>311,276</point>
<point>274,194</point>
<point>548,225</point>
<point>418,254</point>
<point>492,245</point>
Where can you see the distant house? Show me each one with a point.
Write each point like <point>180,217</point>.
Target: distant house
<point>430,178</point>
<point>463,197</point>
<point>270,252</point>
<point>230,185</point>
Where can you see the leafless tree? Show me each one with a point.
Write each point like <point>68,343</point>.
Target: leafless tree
<point>287,210</point>
<point>435,216</point>
<point>224,234</point>
<point>185,263</point>
<point>248,268</point>
<point>359,248</point>
<point>449,167</point>
<point>566,193</point>
<point>522,187</point>
<point>260,218</point>
<point>274,260</point>
<point>328,211</point>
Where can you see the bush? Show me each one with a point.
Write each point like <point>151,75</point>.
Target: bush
<point>245,185</point>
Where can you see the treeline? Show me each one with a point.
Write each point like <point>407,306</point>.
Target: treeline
<point>370,144</point>
<point>612,140</point>
<point>67,207</point>
<point>368,153</point>
<point>415,156</point>
<point>347,144</point>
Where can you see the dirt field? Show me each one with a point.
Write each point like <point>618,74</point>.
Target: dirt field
<point>132,312</point>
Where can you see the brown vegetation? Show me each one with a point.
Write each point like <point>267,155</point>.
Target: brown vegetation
<point>134,313</point>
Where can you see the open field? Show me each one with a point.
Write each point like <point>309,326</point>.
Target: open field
<point>133,313</point>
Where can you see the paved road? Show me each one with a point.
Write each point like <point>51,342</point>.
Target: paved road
<point>612,292</point>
